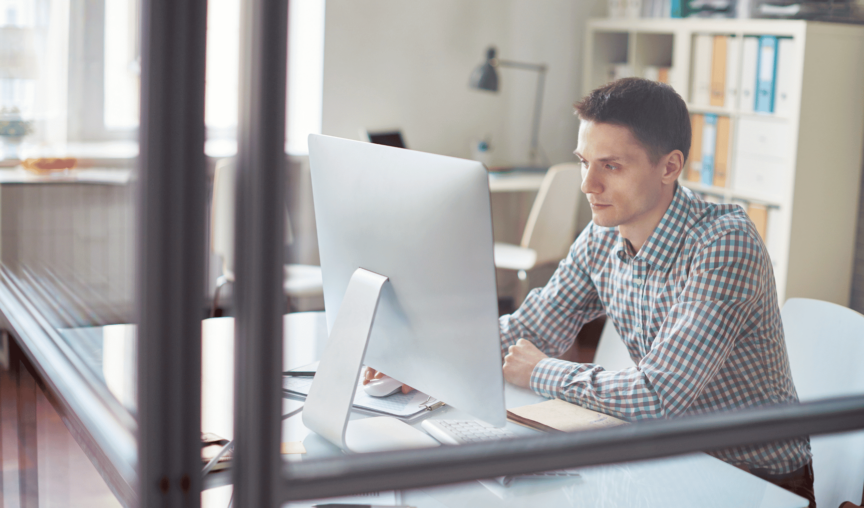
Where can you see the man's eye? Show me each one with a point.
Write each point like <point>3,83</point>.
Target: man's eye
<point>584,162</point>
<point>610,166</point>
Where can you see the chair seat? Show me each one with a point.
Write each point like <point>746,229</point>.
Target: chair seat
<point>303,280</point>
<point>513,257</point>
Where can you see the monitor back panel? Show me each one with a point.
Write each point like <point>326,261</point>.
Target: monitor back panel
<point>424,221</point>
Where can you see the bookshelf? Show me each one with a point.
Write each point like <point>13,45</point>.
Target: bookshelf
<point>810,153</point>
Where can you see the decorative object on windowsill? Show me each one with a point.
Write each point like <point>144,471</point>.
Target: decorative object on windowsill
<point>485,77</point>
<point>46,165</point>
<point>13,130</point>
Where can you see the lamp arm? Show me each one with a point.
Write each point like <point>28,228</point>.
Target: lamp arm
<point>540,69</point>
<point>538,108</point>
<point>522,65</point>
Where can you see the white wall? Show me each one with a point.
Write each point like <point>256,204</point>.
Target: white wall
<point>391,63</point>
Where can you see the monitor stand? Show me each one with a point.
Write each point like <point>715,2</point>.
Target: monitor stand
<point>328,405</point>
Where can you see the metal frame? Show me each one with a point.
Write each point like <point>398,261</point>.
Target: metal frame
<point>259,228</point>
<point>645,440</point>
<point>171,238</point>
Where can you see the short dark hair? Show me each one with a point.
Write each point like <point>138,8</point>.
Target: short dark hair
<point>655,114</point>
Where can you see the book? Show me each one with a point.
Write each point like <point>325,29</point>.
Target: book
<point>718,71</point>
<point>709,142</point>
<point>557,416</point>
<point>633,8</point>
<point>785,79</point>
<point>759,215</point>
<point>733,53</point>
<point>701,79</point>
<point>664,75</point>
<point>694,164</point>
<point>721,151</point>
<point>767,69</point>
<point>749,61</point>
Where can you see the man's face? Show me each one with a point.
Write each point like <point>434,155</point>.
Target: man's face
<point>621,183</point>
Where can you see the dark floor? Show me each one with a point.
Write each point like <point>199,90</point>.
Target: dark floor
<point>65,477</point>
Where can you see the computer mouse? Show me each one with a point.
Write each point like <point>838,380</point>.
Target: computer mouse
<point>382,387</point>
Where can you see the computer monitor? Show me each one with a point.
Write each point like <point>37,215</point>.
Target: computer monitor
<point>392,137</point>
<point>424,222</point>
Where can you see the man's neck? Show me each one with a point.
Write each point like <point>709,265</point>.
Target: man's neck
<point>638,231</point>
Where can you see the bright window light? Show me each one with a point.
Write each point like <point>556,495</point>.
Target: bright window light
<point>306,74</point>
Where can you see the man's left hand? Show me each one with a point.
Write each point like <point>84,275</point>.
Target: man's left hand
<point>520,361</point>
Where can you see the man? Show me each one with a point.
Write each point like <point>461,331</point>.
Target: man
<point>687,284</point>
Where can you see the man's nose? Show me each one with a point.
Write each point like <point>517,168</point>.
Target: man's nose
<point>590,182</point>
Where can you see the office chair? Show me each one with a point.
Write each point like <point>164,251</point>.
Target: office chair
<point>300,281</point>
<point>611,352</point>
<point>551,226</point>
<point>825,343</point>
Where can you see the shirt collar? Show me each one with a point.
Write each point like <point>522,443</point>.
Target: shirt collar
<point>661,247</point>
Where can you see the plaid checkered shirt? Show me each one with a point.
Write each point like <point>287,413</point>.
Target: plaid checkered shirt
<point>696,308</point>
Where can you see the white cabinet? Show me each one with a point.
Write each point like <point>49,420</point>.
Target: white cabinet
<point>802,161</point>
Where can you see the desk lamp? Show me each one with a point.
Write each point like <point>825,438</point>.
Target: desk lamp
<point>485,77</point>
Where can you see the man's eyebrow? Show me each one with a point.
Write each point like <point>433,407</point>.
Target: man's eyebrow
<point>611,158</point>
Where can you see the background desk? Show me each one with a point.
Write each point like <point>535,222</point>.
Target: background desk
<point>515,181</point>
<point>686,481</point>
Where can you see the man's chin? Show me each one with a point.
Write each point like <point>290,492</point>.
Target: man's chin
<point>603,221</point>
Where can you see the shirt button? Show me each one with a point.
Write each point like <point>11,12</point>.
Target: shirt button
<point>637,281</point>
<point>638,329</point>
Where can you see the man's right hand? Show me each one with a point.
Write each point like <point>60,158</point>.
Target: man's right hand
<point>371,374</point>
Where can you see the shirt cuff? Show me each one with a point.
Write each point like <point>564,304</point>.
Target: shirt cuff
<point>547,375</point>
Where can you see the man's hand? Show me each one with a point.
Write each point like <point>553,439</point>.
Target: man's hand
<point>520,362</point>
<point>371,374</point>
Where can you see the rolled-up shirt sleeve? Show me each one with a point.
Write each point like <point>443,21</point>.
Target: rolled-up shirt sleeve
<point>550,317</point>
<point>719,297</point>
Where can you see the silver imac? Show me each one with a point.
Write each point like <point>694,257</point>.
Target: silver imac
<point>411,234</point>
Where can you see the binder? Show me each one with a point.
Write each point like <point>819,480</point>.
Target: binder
<point>759,215</point>
<point>749,61</point>
<point>767,71</point>
<point>701,89</point>
<point>721,155</point>
<point>718,71</point>
<point>783,86</point>
<point>709,141</point>
<point>676,9</point>
<point>695,159</point>
<point>633,8</point>
<point>733,54</point>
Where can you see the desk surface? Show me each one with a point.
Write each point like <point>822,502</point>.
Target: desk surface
<point>690,480</point>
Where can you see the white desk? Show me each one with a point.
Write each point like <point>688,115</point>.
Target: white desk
<point>686,481</point>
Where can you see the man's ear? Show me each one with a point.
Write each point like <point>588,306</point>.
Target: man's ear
<point>673,165</point>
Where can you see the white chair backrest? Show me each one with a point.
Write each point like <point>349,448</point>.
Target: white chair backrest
<point>611,352</point>
<point>826,347</point>
<point>551,226</point>
<point>222,213</point>
<point>825,343</point>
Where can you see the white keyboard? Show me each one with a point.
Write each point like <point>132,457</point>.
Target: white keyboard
<point>456,432</point>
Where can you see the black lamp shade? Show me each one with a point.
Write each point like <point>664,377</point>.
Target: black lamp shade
<point>485,76</point>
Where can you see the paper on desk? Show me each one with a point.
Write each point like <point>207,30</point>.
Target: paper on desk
<point>399,404</point>
<point>562,416</point>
